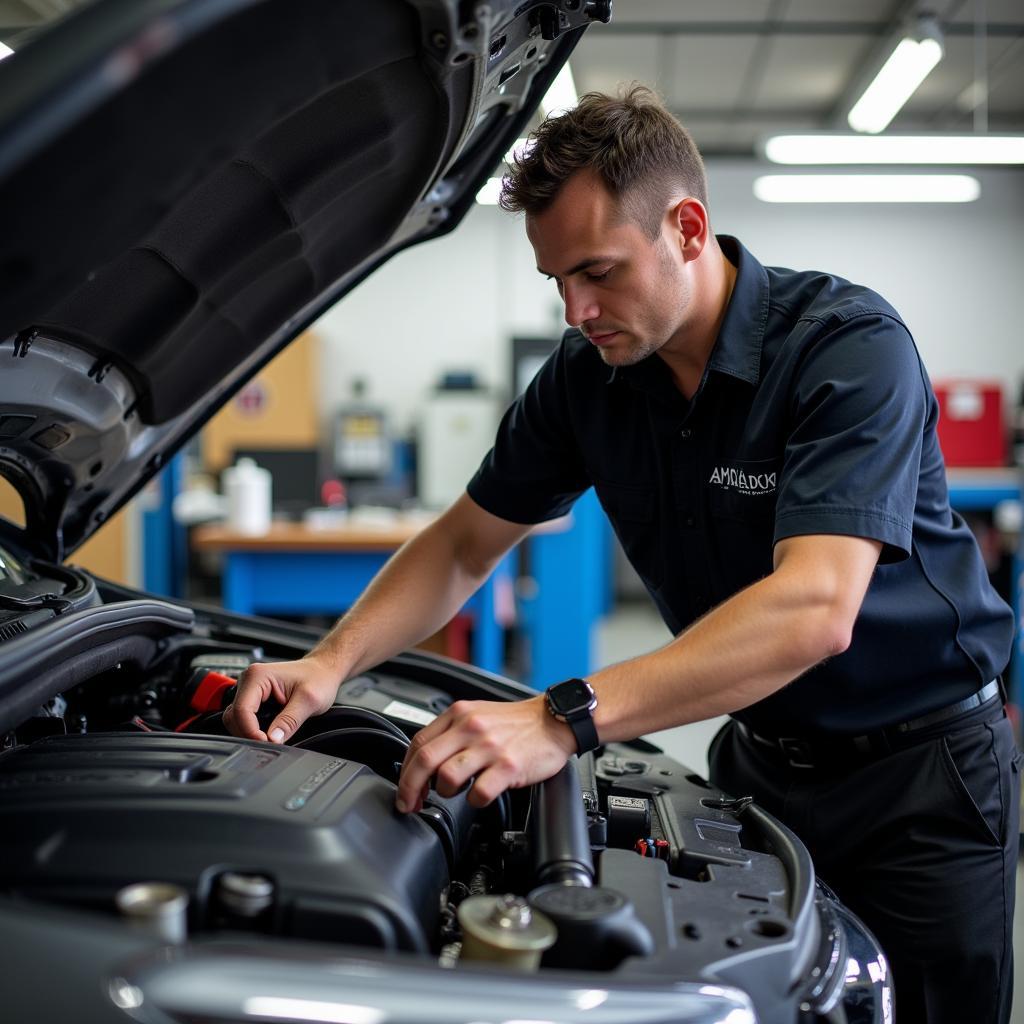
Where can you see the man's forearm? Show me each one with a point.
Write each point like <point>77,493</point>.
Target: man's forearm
<point>744,650</point>
<point>418,591</point>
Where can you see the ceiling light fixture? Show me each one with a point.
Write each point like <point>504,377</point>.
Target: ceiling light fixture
<point>960,150</point>
<point>899,77</point>
<point>5,51</point>
<point>867,188</point>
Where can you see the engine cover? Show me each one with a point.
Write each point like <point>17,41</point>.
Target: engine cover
<point>82,816</point>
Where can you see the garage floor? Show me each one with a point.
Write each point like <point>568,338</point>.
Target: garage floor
<point>636,628</point>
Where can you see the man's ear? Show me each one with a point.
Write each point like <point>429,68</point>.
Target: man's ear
<point>689,222</point>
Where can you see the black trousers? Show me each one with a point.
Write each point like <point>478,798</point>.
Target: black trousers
<point>922,845</point>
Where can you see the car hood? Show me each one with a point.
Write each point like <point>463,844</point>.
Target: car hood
<point>185,186</point>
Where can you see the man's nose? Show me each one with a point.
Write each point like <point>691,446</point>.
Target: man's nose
<point>580,305</point>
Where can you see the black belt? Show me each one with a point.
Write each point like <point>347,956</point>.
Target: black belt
<point>829,750</point>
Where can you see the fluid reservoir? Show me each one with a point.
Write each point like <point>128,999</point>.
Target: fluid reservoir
<point>504,929</point>
<point>248,490</point>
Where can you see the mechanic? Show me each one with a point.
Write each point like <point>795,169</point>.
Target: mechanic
<point>764,444</point>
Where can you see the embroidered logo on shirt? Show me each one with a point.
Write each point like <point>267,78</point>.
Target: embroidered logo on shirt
<point>733,478</point>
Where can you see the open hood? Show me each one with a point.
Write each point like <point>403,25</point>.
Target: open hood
<point>186,184</point>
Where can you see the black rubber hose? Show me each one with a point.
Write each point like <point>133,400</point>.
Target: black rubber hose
<point>558,831</point>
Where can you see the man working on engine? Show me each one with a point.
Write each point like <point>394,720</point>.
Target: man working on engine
<point>764,443</point>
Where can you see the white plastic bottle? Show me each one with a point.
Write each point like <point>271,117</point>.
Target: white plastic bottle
<point>247,487</point>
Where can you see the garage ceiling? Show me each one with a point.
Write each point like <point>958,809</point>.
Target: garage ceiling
<point>736,70</point>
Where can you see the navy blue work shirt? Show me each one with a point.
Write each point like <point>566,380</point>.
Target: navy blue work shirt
<point>814,416</point>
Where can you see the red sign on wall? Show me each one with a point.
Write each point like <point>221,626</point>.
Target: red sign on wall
<point>252,399</point>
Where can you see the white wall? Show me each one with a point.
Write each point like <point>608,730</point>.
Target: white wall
<point>955,272</point>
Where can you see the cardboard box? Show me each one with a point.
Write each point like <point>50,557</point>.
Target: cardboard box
<point>276,409</point>
<point>972,429</point>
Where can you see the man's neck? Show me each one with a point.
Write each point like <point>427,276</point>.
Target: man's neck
<point>687,354</point>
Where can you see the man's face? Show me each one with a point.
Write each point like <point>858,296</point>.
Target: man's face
<point>627,293</point>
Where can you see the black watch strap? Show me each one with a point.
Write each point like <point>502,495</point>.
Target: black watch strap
<point>584,730</point>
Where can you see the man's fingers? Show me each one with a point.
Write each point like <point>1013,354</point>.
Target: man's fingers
<point>421,761</point>
<point>300,706</point>
<point>459,769</point>
<point>491,784</point>
<point>240,716</point>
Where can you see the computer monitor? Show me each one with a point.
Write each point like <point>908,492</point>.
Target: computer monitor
<point>528,356</point>
<point>295,473</point>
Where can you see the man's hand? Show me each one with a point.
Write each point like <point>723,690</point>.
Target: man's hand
<point>501,745</point>
<point>305,687</point>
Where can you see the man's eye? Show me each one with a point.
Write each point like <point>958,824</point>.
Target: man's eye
<point>599,277</point>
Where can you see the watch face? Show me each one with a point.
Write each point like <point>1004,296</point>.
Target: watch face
<point>572,695</point>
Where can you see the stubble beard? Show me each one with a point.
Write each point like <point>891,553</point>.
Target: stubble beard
<point>655,331</point>
<point>633,351</point>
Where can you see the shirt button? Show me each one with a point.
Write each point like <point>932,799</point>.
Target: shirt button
<point>689,520</point>
<point>686,433</point>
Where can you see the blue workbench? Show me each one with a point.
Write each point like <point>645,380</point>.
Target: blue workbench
<point>293,570</point>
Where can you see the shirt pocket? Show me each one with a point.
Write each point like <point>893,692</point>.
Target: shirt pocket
<point>632,509</point>
<point>744,491</point>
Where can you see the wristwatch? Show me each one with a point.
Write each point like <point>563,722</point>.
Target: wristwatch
<point>573,702</point>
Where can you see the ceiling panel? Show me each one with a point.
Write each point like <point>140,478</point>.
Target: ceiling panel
<point>806,72</point>
<point>708,71</point>
<point>937,96</point>
<point>738,136</point>
<point>838,10</point>
<point>625,11</point>
<point>602,62</point>
<point>1006,84</point>
<point>1009,12</point>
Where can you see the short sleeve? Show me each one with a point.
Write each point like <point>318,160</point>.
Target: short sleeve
<point>535,470</point>
<point>853,451</point>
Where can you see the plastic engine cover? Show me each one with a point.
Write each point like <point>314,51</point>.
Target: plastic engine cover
<point>82,816</point>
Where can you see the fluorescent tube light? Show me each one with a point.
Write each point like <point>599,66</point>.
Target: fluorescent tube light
<point>897,80</point>
<point>561,95</point>
<point>961,150</point>
<point>5,51</point>
<point>867,188</point>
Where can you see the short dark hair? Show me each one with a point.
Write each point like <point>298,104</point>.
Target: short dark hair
<point>638,149</point>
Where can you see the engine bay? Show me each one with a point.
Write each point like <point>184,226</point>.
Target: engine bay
<point>128,778</point>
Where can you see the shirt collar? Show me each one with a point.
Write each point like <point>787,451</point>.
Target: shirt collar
<point>741,336</point>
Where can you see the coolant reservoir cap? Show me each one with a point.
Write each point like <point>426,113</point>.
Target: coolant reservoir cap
<point>505,923</point>
<point>576,901</point>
